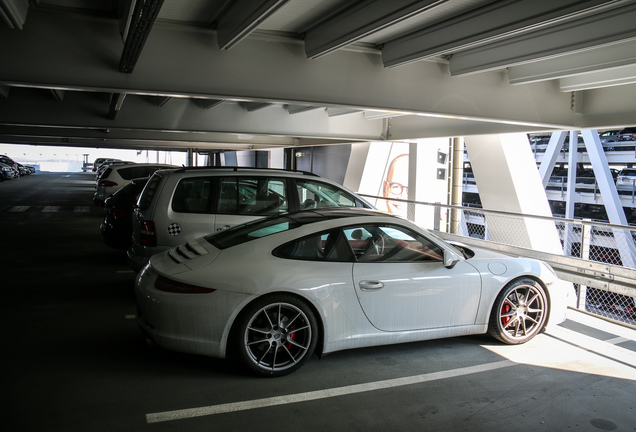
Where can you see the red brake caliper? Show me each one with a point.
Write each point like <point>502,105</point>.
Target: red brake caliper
<point>504,310</point>
<point>292,336</point>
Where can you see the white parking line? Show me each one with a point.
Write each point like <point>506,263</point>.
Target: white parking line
<point>51,209</point>
<point>321,394</point>
<point>81,209</point>
<point>19,208</point>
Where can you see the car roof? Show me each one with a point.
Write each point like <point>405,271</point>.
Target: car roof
<point>232,169</point>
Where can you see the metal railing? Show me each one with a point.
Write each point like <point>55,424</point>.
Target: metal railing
<point>598,258</point>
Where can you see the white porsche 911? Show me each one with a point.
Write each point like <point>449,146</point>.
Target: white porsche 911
<point>273,291</point>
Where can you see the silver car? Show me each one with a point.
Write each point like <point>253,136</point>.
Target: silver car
<point>273,291</point>
<point>181,205</point>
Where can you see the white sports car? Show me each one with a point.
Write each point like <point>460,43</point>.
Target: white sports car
<point>273,291</point>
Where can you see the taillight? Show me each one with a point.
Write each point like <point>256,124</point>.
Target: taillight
<point>168,285</point>
<point>107,183</point>
<point>148,234</point>
<point>120,213</point>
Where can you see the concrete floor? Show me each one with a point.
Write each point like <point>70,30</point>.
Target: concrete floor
<point>76,361</point>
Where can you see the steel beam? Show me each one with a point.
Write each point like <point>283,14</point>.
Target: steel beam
<point>143,18</point>
<point>14,12</point>
<point>606,57</point>
<point>551,154</point>
<point>242,18</point>
<point>605,78</point>
<point>359,20</point>
<point>604,28</point>
<point>482,25</point>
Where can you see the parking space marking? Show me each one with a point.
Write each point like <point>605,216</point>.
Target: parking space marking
<point>50,209</point>
<point>19,208</point>
<point>81,209</point>
<point>322,394</point>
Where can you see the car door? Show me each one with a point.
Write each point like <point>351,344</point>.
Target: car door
<point>402,284</point>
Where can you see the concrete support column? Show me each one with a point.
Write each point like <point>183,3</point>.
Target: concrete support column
<point>508,180</point>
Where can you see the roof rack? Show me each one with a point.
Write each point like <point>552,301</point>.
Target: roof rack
<point>237,168</point>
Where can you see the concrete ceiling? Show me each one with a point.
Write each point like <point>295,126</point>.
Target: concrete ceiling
<point>223,74</point>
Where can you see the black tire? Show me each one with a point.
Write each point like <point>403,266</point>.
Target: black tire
<point>275,335</point>
<point>519,313</point>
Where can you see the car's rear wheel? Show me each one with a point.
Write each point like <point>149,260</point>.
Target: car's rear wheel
<point>276,334</point>
<point>519,313</point>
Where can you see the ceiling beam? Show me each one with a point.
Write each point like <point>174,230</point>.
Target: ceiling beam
<point>599,79</point>
<point>255,106</point>
<point>297,109</point>
<point>605,28</point>
<point>495,21</point>
<point>242,18</point>
<point>207,103</point>
<point>361,19</point>
<point>144,15</point>
<point>14,12</point>
<point>606,57</point>
<point>116,102</point>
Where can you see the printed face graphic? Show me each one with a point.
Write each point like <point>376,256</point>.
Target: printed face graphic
<point>396,184</point>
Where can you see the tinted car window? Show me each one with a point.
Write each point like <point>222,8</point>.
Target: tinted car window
<point>327,246</point>
<point>391,243</point>
<point>314,194</point>
<point>149,192</point>
<point>130,173</point>
<point>192,195</point>
<point>251,231</point>
<point>252,196</point>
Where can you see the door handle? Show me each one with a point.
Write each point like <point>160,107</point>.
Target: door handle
<point>370,285</point>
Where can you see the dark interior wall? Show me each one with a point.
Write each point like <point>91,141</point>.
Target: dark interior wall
<point>328,161</point>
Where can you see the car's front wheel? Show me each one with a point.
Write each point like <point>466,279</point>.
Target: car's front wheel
<point>519,313</point>
<point>275,335</point>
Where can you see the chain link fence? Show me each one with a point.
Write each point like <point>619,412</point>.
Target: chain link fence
<point>587,240</point>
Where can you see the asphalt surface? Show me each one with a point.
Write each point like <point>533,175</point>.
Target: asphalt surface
<point>74,359</point>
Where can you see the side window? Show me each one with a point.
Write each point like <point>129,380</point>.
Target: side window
<point>327,246</point>
<point>192,195</point>
<point>149,192</point>
<point>314,194</point>
<point>252,196</point>
<point>390,243</point>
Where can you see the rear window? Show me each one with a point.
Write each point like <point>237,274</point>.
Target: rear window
<point>130,173</point>
<point>251,231</point>
<point>314,194</point>
<point>149,192</point>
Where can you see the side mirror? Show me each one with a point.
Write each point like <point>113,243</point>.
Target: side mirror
<point>450,259</point>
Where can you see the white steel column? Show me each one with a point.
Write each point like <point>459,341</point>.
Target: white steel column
<point>613,206</point>
<point>551,154</point>
<point>508,180</point>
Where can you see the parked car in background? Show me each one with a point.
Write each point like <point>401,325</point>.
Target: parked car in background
<point>99,161</point>
<point>626,178</point>
<point>180,205</point>
<point>11,163</point>
<point>104,166</point>
<point>627,134</point>
<point>6,172</point>
<point>118,175</point>
<point>116,228</point>
<point>609,136</point>
<point>272,291</point>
